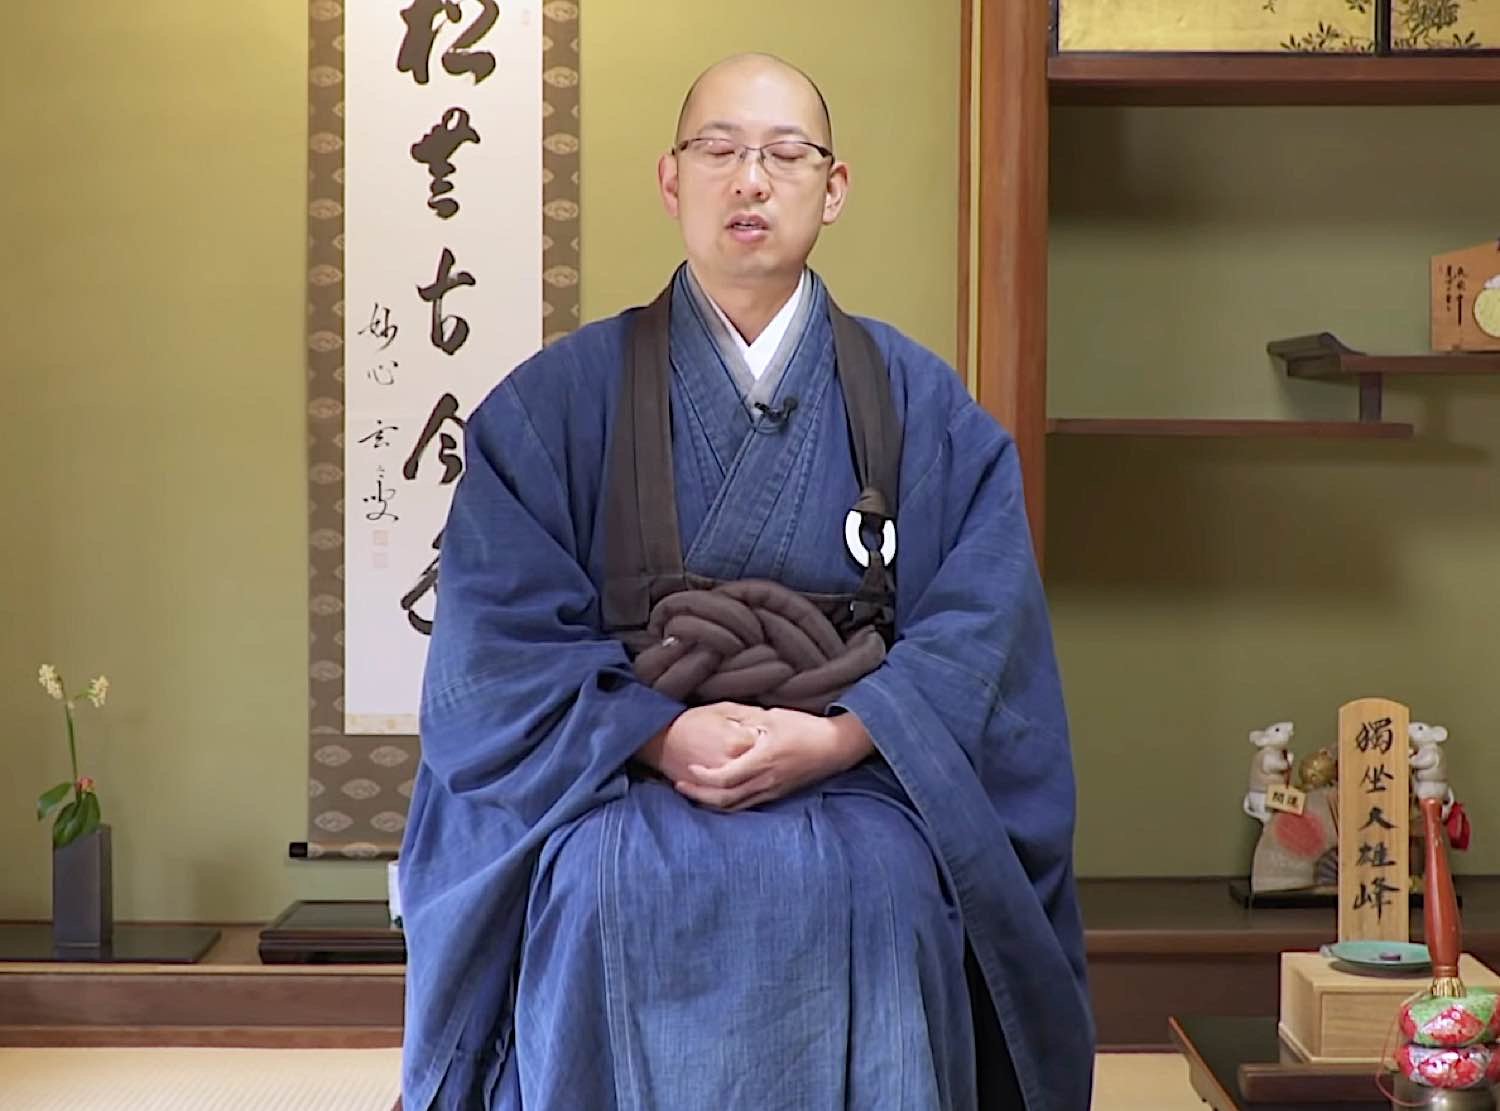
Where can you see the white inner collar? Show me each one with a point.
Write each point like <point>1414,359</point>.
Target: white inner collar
<point>758,355</point>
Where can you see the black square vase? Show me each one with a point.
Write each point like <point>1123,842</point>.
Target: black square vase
<point>83,914</point>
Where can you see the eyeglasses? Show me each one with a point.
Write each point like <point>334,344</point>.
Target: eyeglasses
<point>785,158</point>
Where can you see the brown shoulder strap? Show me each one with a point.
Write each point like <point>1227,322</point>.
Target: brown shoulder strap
<point>642,542</point>
<point>875,435</point>
<point>874,431</point>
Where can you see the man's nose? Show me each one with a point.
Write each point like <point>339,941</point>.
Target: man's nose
<point>750,177</point>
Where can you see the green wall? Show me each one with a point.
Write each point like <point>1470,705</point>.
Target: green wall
<point>1202,589</point>
<point>153,504</point>
<point>891,81</point>
<point>152,515</point>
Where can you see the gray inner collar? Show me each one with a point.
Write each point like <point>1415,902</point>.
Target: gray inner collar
<point>752,389</point>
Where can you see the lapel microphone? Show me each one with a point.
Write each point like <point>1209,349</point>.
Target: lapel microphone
<point>778,414</point>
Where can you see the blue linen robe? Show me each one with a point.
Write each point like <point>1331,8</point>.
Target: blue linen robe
<point>579,937</point>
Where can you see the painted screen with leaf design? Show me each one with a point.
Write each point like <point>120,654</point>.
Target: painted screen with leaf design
<point>1276,26</point>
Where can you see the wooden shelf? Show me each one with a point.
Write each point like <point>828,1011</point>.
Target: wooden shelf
<point>1348,430</point>
<point>229,998</point>
<point>1155,947</point>
<point>1182,946</point>
<point>1320,355</point>
<point>1323,356</point>
<point>1264,79</point>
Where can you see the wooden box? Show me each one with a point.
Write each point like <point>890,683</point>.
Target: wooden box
<point>1331,1016</point>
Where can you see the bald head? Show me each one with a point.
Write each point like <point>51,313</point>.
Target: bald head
<point>741,70</point>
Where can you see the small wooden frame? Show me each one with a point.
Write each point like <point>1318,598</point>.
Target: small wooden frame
<point>1374,820</point>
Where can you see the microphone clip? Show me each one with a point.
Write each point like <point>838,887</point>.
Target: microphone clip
<point>777,414</point>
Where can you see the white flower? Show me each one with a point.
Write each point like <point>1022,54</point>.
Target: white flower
<point>47,675</point>
<point>97,690</point>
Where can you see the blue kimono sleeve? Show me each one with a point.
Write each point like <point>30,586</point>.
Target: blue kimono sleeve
<point>529,714</point>
<point>524,698</point>
<point>967,711</point>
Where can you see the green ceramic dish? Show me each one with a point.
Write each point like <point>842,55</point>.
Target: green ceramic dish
<point>1384,956</point>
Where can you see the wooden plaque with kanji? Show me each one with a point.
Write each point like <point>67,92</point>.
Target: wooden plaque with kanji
<point>1466,299</point>
<point>1374,821</point>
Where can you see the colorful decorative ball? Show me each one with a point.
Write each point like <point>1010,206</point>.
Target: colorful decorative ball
<point>1450,1023</point>
<point>1467,1067</point>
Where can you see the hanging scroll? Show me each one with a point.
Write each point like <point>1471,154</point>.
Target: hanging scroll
<point>443,251</point>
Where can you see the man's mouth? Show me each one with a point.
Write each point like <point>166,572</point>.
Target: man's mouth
<point>748,222</point>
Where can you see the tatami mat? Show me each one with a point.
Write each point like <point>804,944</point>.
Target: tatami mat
<point>369,1079</point>
<point>199,1079</point>
<point>1143,1082</point>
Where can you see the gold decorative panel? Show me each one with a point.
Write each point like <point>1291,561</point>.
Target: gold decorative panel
<point>1256,26</point>
<point>1419,25</point>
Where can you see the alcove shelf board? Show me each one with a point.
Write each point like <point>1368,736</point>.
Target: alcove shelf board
<point>1290,429</point>
<point>1272,79</point>
<point>1323,355</point>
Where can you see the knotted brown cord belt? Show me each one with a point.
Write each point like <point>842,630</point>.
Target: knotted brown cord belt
<point>752,641</point>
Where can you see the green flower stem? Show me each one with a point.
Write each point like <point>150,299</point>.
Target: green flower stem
<point>72,744</point>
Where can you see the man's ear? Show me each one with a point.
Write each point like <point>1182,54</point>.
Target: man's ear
<point>666,180</point>
<point>835,192</point>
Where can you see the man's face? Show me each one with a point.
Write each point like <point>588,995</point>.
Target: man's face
<point>752,219</point>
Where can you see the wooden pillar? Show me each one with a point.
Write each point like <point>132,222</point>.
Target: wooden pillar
<point>965,184</point>
<point>1011,353</point>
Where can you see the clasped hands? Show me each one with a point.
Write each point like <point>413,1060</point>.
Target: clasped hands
<point>731,757</point>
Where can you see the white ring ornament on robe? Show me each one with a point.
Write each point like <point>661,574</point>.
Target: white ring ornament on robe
<point>856,544</point>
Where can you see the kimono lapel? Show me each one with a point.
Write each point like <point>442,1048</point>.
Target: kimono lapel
<point>749,459</point>
<point>752,389</point>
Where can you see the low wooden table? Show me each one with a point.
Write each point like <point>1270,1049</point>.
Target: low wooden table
<point>1240,1064</point>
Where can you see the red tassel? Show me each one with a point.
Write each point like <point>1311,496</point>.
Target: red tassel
<point>1458,827</point>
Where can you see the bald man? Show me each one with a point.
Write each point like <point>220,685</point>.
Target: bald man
<point>745,776</point>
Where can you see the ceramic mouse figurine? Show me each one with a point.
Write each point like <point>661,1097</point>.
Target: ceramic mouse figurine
<point>1429,763</point>
<point>1270,766</point>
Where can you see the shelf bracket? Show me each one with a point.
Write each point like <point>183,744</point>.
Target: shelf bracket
<point>1323,355</point>
<point>1369,397</point>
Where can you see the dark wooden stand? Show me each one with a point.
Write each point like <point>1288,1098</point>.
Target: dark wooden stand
<point>329,932</point>
<point>129,944</point>
<point>1239,1064</point>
